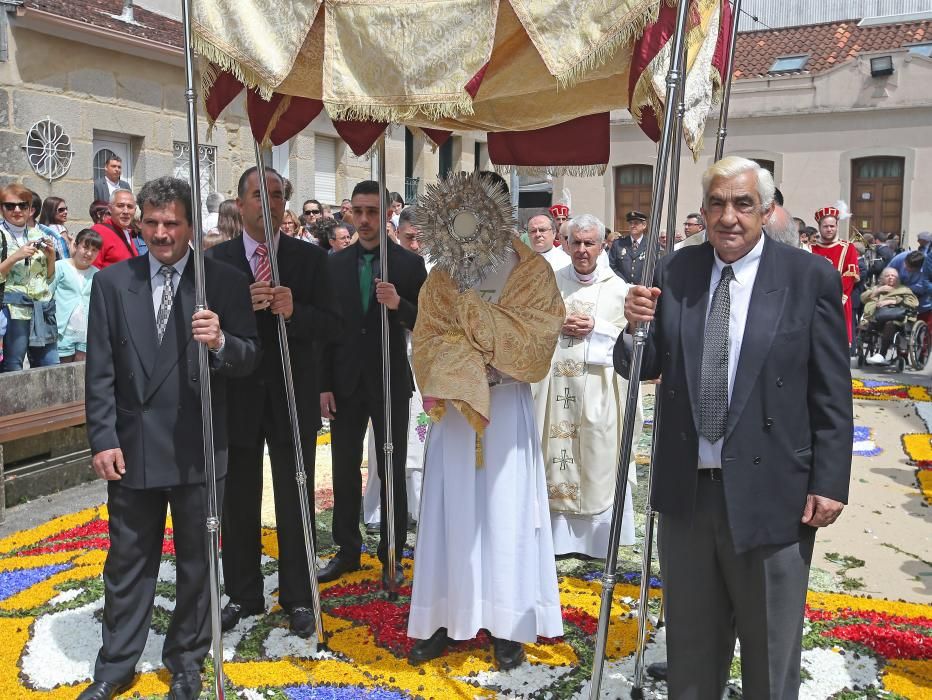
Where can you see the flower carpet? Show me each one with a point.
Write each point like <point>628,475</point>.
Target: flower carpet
<point>51,602</point>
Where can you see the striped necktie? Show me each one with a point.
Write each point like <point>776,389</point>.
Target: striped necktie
<point>263,266</point>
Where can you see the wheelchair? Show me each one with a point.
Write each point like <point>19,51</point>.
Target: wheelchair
<point>912,344</point>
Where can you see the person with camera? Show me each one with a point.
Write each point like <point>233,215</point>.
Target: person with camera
<point>27,267</point>
<point>888,305</point>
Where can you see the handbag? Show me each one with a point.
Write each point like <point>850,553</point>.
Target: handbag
<point>886,314</point>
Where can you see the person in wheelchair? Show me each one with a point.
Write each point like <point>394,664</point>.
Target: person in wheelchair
<point>888,307</point>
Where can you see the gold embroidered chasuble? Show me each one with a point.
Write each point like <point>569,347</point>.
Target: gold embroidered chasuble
<point>579,406</point>
<point>458,335</point>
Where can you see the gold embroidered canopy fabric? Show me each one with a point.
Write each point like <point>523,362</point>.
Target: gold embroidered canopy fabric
<point>488,65</point>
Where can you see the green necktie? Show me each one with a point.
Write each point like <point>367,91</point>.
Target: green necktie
<point>365,280</point>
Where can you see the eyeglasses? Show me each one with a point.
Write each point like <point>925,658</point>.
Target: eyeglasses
<point>61,210</point>
<point>22,206</point>
<point>540,230</point>
<point>690,223</point>
<point>311,211</point>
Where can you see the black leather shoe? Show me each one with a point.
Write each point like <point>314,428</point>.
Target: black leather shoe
<point>301,622</point>
<point>105,690</point>
<point>658,671</point>
<point>335,568</point>
<point>185,686</point>
<point>508,655</point>
<point>232,613</point>
<point>399,576</point>
<point>430,648</point>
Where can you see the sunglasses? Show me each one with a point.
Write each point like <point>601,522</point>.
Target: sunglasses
<point>22,206</point>
<point>61,210</point>
<point>312,211</point>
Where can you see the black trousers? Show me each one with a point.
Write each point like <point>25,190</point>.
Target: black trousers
<point>347,433</point>
<point>242,542</point>
<point>137,525</point>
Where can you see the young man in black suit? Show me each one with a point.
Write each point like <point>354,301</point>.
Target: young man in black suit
<point>258,413</point>
<point>755,441</point>
<point>144,427</point>
<point>351,376</point>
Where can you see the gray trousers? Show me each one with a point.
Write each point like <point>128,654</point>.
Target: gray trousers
<point>711,594</point>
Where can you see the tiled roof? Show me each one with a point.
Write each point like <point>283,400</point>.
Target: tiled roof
<point>147,25</point>
<point>827,44</point>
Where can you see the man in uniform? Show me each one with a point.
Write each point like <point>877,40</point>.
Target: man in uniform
<point>627,255</point>
<point>841,254</point>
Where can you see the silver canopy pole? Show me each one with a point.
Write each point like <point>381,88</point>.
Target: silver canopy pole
<point>300,473</point>
<point>515,187</point>
<point>388,483</point>
<point>637,691</point>
<point>203,362</point>
<point>640,339</point>
<point>726,91</point>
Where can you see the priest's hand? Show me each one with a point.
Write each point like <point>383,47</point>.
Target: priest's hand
<point>640,305</point>
<point>578,325</point>
<point>385,294</point>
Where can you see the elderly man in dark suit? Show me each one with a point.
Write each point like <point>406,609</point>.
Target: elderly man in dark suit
<point>754,445</point>
<point>258,413</point>
<point>351,377</point>
<point>144,427</point>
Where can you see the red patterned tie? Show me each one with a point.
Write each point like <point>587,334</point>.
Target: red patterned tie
<point>263,268</point>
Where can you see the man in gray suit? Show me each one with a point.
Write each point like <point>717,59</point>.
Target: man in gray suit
<point>754,447</point>
<point>104,187</point>
<point>144,428</point>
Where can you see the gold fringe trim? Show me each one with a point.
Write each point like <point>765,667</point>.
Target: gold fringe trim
<point>439,410</point>
<point>596,170</point>
<point>599,54</point>
<point>246,75</point>
<point>435,111</point>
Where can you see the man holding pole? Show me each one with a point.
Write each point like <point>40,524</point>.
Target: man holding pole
<point>754,443</point>
<point>144,428</point>
<point>258,412</point>
<point>351,378</point>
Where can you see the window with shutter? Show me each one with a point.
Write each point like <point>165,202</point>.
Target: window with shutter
<point>325,169</point>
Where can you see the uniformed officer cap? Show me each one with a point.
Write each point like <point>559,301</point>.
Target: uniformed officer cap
<point>635,216</point>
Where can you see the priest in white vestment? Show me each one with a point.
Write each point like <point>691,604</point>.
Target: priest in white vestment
<point>541,233</point>
<point>580,405</point>
<point>484,555</point>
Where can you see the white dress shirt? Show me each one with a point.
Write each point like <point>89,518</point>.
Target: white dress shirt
<point>158,280</point>
<point>740,288</point>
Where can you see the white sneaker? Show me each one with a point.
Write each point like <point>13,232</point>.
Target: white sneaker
<point>876,359</point>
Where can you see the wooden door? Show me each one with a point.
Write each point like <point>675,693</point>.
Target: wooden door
<point>877,194</point>
<point>633,185</point>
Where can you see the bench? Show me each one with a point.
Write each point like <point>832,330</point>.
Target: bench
<point>43,444</point>
<point>42,420</point>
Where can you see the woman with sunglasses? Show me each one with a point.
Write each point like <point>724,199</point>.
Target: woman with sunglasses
<point>26,271</point>
<point>53,213</point>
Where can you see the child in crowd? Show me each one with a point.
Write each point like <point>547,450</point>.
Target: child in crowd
<point>72,290</point>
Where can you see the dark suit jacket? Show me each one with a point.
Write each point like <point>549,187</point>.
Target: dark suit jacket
<point>353,364</point>
<point>102,192</point>
<point>144,397</point>
<point>627,260</point>
<point>303,269</point>
<point>790,419</point>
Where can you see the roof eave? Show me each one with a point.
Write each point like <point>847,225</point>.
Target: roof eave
<point>102,37</point>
